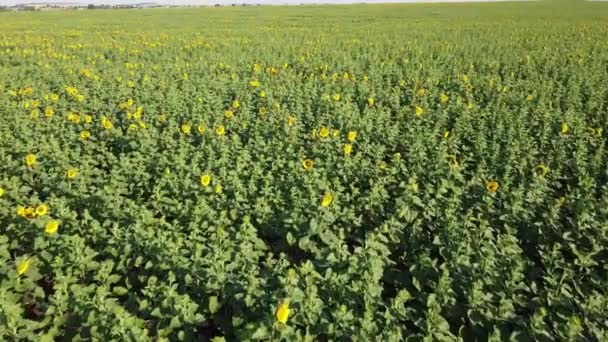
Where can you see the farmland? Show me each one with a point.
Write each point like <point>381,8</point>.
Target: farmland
<point>367,172</point>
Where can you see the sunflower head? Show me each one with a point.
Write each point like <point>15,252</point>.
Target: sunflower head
<point>307,164</point>
<point>492,186</point>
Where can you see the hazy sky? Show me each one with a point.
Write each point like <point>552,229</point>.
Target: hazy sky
<point>208,2</point>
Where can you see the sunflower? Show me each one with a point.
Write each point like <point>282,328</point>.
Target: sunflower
<point>51,227</point>
<point>282,313</point>
<point>106,123</point>
<point>352,135</point>
<point>205,180</point>
<point>72,173</point>
<point>30,160</point>
<point>564,128</point>
<point>84,135</point>
<point>73,118</point>
<point>328,198</point>
<point>348,148</point>
<point>49,112</point>
<point>42,209</point>
<point>323,132</point>
<point>26,212</point>
<point>186,128</point>
<point>370,101</point>
<point>419,111</point>
<point>444,98</point>
<point>492,186</point>
<point>541,170</point>
<point>236,104</point>
<point>291,120</point>
<point>22,266</point>
<point>220,130</point>
<point>201,128</point>
<point>229,114</point>
<point>307,164</point>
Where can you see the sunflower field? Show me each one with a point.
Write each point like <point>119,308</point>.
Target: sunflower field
<point>431,172</point>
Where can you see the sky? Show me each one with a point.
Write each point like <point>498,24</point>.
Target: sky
<point>211,2</point>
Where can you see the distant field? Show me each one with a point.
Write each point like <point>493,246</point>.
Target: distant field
<point>78,3</point>
<point>365,172</point>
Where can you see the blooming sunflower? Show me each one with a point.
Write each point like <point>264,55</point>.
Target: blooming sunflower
<point>492,186</point>
<point>307,164</point>
<point>42,209</point>
<point>205,180</point>
<point>328,198</point>
<point>72,173</point>
<point>282,313</point>
<point>541,170</point>
<point>30,160</point>
<point>201,128</point>
<point>352,135</point>
<point>348,148</point>
<point>324,132</point>
<point>186,128</point>
<point>22,266</point>
<point>51,227</point>
<point>106,123</point>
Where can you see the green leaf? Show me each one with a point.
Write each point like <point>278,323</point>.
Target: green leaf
<point>213,304</point>
<point>120,291</point>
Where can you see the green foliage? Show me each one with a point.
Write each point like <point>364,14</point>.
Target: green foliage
<point>472,204</point>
